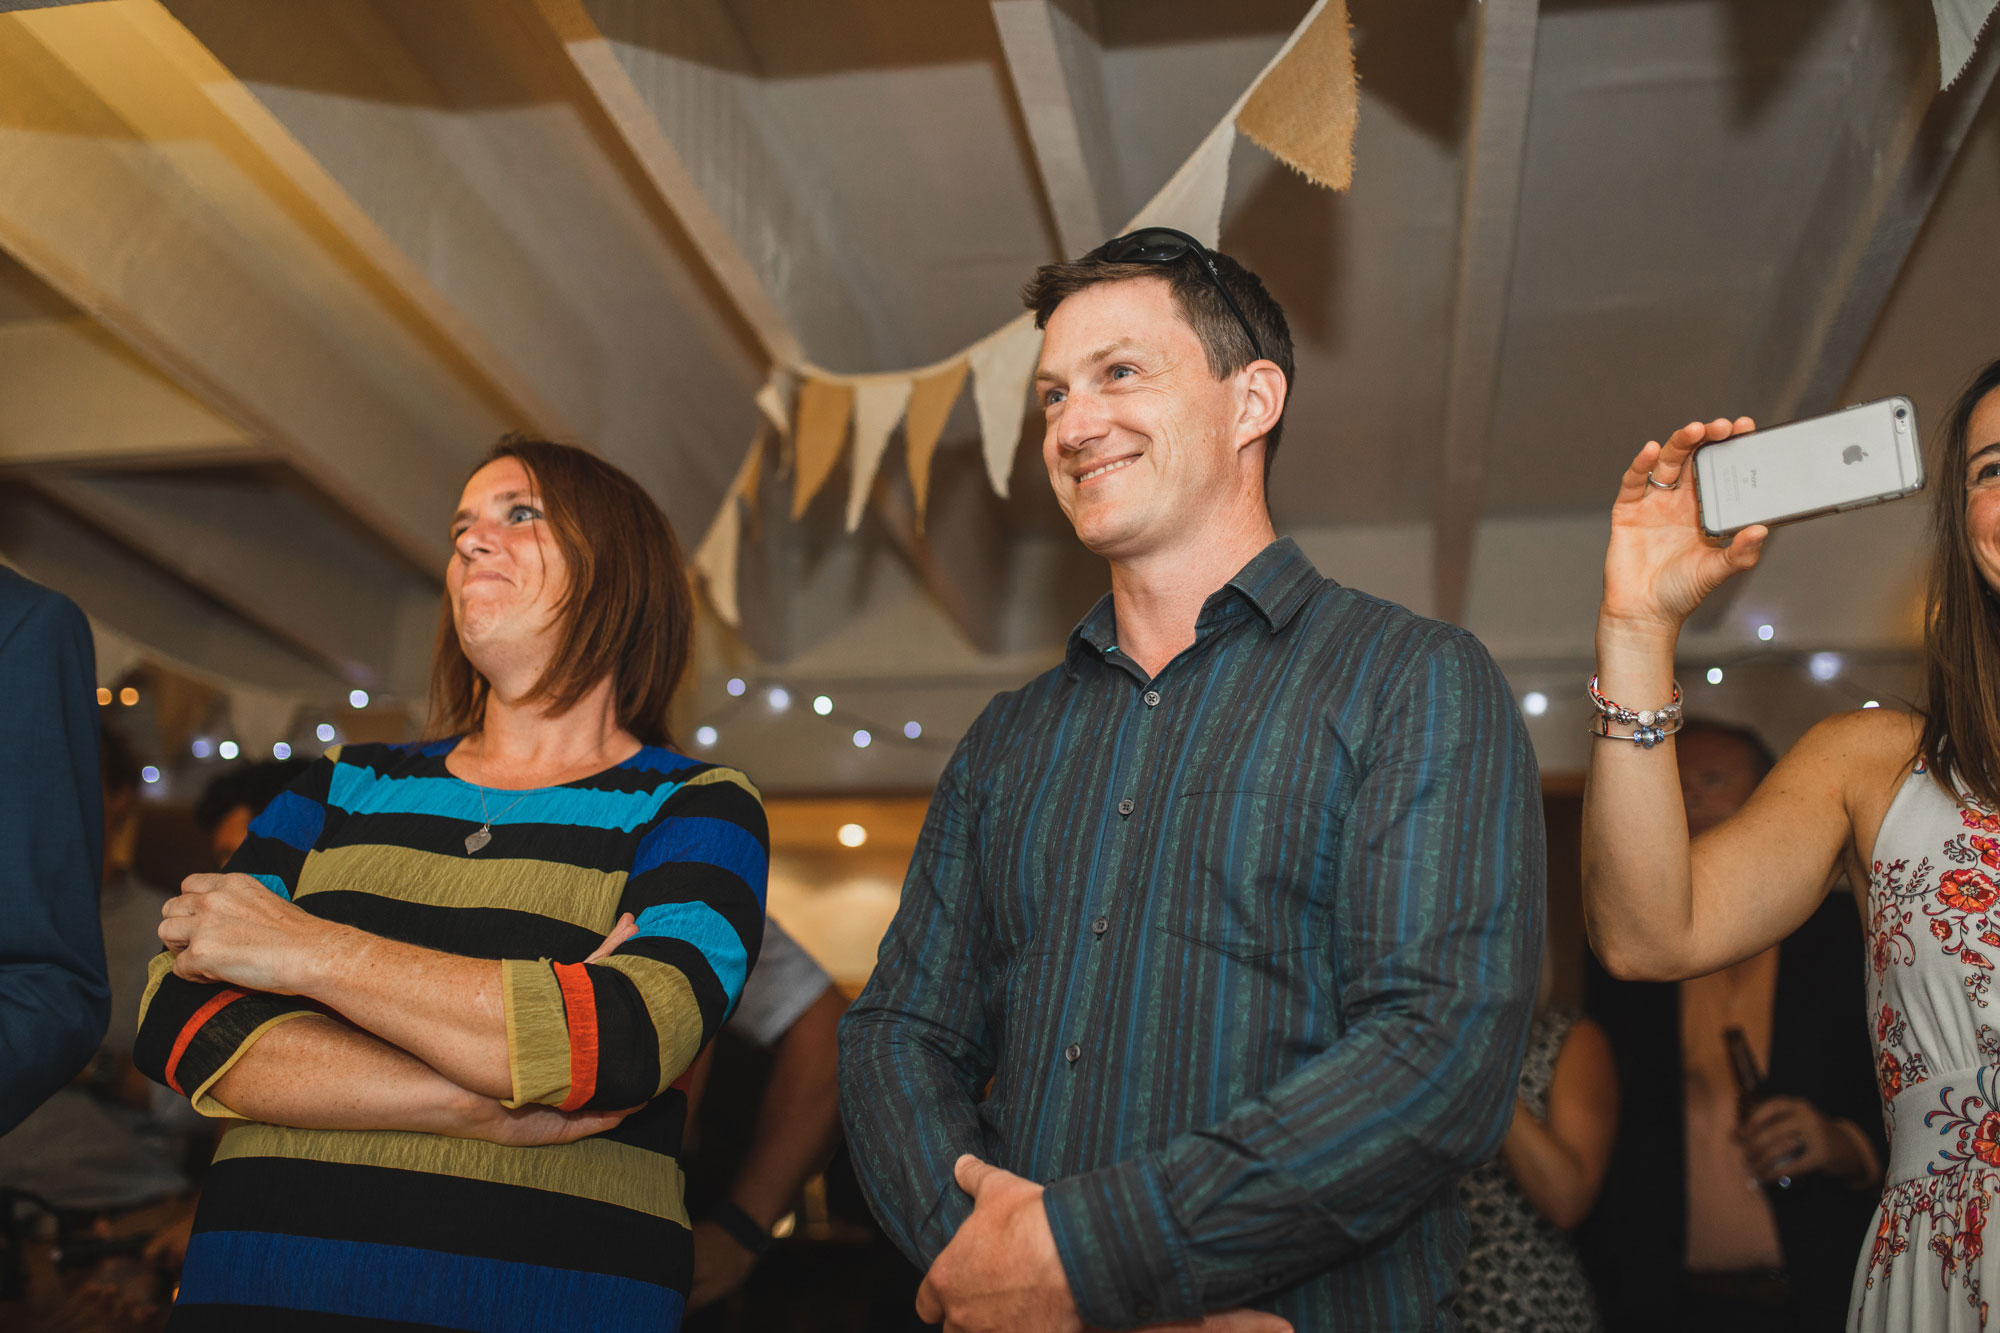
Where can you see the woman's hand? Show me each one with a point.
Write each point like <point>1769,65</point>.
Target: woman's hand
<point>534,1125</point>
<point>627,927</point>
<point>1659,565</point>
<point>231,928</point>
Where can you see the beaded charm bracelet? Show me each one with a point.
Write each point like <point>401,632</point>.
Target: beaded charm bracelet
<point>1650,725</point>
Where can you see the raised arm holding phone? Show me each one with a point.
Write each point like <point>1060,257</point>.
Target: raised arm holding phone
<point>1904,803</point>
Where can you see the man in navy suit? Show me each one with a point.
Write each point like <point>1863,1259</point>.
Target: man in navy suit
<point>54,999</point>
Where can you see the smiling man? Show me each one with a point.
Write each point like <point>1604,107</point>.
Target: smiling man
<point>1216,956</point>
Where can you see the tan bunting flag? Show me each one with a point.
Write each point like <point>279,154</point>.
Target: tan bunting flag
<point>1303,111</point>
<point>818,435</point>
<point>751,475</point>
<point>1002,364</point>
<point>715,558</point>
<point>931,400</point>
<point>879,401</point>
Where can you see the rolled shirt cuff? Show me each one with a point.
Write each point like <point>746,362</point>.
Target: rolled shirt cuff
<point>538,1054</point>
<point>1120,1246</point>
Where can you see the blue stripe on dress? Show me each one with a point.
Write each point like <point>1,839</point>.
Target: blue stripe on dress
<point>292,820</point>
<point>707,930</point>
<point>715,842</point>
<point>362,790</point>
<point>395,1282</point>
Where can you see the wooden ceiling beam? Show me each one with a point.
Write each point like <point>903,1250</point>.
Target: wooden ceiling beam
<point>1489,214</point>
<point>1056,66</point>
<point>273,557</point>
<point>75,395</point>
<point>1894,145</point>
<point>253,285</point>
<point>134,595</point>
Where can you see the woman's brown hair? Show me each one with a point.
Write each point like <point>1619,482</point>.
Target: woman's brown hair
<point>628,612</point>
<point>1961,739</point>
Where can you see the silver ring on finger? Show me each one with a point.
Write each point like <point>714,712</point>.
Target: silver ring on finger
<point>1655,482</point>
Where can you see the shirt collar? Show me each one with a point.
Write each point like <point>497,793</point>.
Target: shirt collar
<point>1277,582</point>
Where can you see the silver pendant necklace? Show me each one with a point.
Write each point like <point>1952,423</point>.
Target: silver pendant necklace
<point>482,835</point>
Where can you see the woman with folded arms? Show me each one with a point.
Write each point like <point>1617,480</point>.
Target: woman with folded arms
<point>445,989</point>
<point>1907,804</point>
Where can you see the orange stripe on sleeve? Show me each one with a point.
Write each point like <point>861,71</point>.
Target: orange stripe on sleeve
<point>580,1008</point>
<point>216,1004</point>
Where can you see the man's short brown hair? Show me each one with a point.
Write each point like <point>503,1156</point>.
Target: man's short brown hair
<point>1222,339</point>
<point>628,612</point>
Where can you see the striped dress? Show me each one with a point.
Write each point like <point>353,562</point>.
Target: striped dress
<point>335,1229</point>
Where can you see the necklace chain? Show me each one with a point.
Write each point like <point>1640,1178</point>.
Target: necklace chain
<point>482,835</point>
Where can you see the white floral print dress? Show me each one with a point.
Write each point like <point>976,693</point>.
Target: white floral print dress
<point>1933,934</point>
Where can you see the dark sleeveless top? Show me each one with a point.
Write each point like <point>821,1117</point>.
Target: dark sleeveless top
<point>1521,1272</point>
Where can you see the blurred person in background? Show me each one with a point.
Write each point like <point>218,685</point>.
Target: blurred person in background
<point>54,999</point>
<point>236,796</point>
<point>448,988</point>
<point>1215,960</point>
<point>95,1154</point>
<point>739,1188</point>
<point>1696,1230</point>
<point>1906,802</point>
<point>1521,1271</point>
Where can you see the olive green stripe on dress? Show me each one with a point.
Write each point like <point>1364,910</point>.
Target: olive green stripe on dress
<point>568,893</point>
<point>729,775</point>
<point>593,1168</point>
<point>671,1004</point>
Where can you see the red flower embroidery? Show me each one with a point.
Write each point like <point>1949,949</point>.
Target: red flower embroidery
<point>1974,958</point>
<point>1941,930</point>
<point>1986,1139</point>
<point>1966,891</point>
<point>1883,1022</point>
<point>1990,937</point>
<point>1985,823</point>
<point>1989,851</point>
<point>1892,1075</point>
<point>1975,1225</point>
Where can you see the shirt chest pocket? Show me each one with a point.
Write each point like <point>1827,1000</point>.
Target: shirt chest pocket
<point>1251,862</point>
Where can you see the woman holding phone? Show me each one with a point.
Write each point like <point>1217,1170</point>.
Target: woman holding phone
<point>1907,804</point>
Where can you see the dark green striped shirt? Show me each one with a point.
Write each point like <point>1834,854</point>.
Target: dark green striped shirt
<point>1247,952</point>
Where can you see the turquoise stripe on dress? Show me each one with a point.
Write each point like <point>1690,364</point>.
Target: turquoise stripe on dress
<point>707,930</point>
<point>364,791</point>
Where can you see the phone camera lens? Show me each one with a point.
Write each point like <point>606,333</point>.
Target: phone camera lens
<point>1902,414</point>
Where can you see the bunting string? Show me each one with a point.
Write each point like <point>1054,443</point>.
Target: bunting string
<point>1301,109</point>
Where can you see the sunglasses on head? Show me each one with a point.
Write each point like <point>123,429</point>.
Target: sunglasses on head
<point>1164,245</point>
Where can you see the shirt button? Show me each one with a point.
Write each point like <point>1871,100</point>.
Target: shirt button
<point>1099,926</point>
<point>1072,1052</point>
<point>1125,806</point>
<point>1152,698</point>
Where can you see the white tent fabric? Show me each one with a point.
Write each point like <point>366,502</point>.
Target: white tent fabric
<point>1959,25</point>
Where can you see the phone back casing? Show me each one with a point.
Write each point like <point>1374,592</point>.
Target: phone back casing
<point>1862,456</point>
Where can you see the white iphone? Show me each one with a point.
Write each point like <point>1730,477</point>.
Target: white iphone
<point>1864,455</point>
